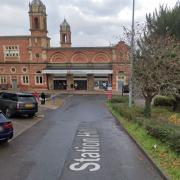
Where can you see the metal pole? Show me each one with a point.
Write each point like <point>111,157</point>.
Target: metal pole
<point>131,99</point>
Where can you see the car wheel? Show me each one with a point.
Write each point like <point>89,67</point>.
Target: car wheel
<point>31,115</point>
<point>8,113</point>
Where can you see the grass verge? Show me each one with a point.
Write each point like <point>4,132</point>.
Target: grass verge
<point>161,154</point>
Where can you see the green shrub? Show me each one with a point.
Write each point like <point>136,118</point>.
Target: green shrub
<point>158,132</point>
<point>166,133</point>
<point>164,101</point>
<point>127,112</point>
<point>174,141</point>
<point>119,99</point>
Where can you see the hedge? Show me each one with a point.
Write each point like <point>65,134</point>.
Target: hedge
<point>166,133</point>
<point>164,101</point>
<point>119,99</point>
<point>127,112</point>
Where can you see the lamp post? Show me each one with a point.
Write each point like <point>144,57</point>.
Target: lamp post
<point>131,96</point>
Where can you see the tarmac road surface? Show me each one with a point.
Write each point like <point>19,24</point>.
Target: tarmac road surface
<point>79,141</point>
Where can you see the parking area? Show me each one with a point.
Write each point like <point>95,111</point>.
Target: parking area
<point>23,123</point>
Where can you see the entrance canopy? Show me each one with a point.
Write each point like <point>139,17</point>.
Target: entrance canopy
<point>77,71</point>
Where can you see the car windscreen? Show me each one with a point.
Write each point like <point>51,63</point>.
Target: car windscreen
<point>26,98</point>
<point>2,118</point>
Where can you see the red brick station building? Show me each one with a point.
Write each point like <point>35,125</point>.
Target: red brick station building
<point>30,62</point>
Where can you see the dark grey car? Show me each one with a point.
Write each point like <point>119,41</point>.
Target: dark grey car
<point>18,103</point>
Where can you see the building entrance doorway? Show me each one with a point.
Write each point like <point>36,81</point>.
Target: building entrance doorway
<point>14,85</point>
<point>60,84</point>
<point>80,84</point>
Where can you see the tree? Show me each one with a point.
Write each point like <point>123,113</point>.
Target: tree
<point>166,21</point>
<point>163,23</point>
<point>157,66</point>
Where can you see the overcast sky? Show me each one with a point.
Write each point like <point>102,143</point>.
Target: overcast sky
<point>93,22</point>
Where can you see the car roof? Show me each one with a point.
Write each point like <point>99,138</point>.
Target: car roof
<point>18,93</point>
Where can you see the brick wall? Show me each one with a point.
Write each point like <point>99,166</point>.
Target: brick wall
<point>22,42</point>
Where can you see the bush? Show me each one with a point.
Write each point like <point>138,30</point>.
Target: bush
<point>174,141</point>
<point>164,101</point>
<point>166,133</point>
<point>119,99</point>
<point>127,112</point>
<point>158,131</point>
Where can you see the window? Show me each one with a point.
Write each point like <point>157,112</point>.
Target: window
<point>25,79</point>
<point>39,79</point>
<point>24,69</point>
<point>13,69</point>
<point>64,38</point>
<point>11,51</point>
<point>36,23</point>
<point>6,96</point>
<point>9,96</point>
<point>3,80</point>
<point>26,98</point>
<point>37,55</point>
<point>3,118</point>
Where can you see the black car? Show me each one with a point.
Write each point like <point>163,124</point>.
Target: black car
<point>18,103</point>
<point>6,128</point>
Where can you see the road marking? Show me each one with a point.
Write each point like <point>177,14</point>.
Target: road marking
<point>89,151</point>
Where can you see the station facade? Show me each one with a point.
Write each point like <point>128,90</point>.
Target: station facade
<point>29,62</point>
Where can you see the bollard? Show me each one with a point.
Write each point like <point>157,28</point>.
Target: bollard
<point>53,98</point>
<point>43,98</point>
<point>109,93</point>
<point>36,95</point>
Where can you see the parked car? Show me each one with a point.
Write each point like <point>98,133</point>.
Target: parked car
<point>18,103</point>
<point>6,128</point>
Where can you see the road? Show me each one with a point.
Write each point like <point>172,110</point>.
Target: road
<point>79,141</point>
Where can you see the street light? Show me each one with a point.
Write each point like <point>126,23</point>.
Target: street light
<point>131,97</point>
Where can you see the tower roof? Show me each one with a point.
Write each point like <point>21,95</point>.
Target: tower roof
<point>65,26</point>
<point>36,2</point>
<point>37,5</point>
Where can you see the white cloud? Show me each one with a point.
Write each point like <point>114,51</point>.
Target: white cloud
<point>93,22</point>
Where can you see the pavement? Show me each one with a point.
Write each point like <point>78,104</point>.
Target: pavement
<point>78,92</point>
<point>21,123</point>
<point>79,141</point>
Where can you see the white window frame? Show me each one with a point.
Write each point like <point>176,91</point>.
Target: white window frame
<point>25,79</point>
<point>39,77</point>
<point>11,51</point>
<point>3,79</point>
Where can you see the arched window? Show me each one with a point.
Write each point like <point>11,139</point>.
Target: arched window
<point>36,23</point>
<point>64,38</point>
